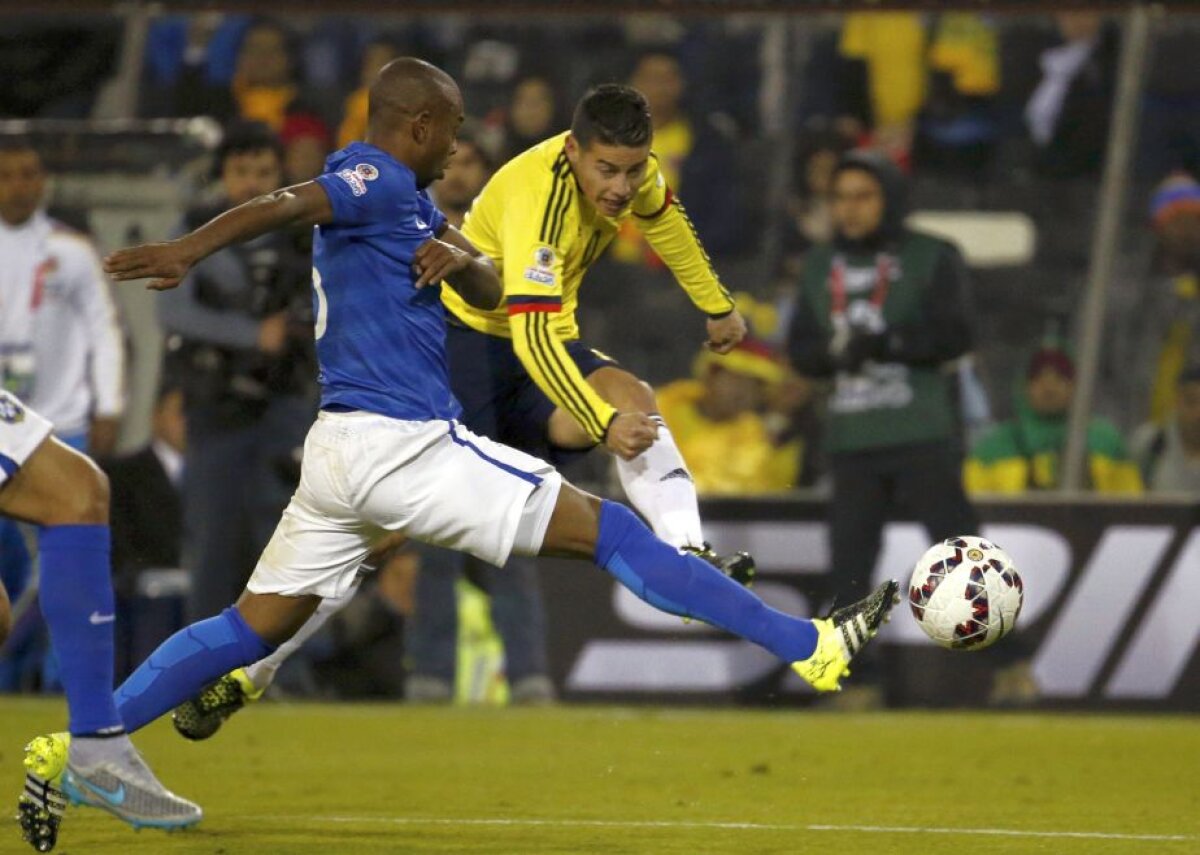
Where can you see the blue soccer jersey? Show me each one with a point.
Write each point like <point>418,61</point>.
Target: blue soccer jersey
<point>381,342</point>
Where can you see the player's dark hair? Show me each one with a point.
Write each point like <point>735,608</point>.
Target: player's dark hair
<point>245,138</point>
<point>612,114</point>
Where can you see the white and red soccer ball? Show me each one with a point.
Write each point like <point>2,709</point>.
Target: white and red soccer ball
<point>965,593</point>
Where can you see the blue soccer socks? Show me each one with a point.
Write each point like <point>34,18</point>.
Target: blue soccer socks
<point>185,663</point>
<point>685,585</point>
<point>76,596</point>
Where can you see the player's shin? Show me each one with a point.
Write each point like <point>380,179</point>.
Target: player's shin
<point>658,484</point>
<point>684,585</point>
<point>77,602</point>
<point>185,663</point>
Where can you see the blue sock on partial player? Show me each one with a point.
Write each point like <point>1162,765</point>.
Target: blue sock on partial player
<point>685,585</point>
<point>76,596</point>
<point>185,663</point>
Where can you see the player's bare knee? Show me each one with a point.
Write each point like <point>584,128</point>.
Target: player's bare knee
<point>275,617</point>
<point>88,489</point>
<point>5,621</point>
<point>574,525</point>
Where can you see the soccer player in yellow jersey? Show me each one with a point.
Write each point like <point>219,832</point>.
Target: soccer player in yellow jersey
<point>520,371</point>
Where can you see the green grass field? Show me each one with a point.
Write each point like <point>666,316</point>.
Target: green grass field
<point>284,778</point>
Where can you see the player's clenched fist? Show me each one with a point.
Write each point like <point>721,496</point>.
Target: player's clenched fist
<point>725,333</point>
<point>165,263</point>
<point>630,434</point>
<point>434,260</point>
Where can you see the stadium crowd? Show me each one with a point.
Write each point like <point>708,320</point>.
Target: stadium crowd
<point>968,112</point>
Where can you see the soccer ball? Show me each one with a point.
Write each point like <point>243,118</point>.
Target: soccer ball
<point>965,593</point>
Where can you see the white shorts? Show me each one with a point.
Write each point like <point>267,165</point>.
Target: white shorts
<point>21,432</point>
<point>435,481</point>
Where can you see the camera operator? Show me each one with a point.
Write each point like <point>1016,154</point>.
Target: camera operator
<point>240,336</point>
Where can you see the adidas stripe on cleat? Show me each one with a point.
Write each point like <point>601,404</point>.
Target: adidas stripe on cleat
<point>843,634</point>
<point>41,805</point>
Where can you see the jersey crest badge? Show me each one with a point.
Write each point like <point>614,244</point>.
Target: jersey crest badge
<point>366,172</point>
<point>11,412</point>
<point>541,271</point>
<point>357,186</point>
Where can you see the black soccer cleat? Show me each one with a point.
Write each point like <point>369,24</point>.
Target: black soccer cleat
<point>39,812</point>
<point>202,716</point>
<point>738,566</point>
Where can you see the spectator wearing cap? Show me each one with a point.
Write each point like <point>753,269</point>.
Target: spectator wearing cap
<point>741,422</point>
<point>1025,453</point>
<point>1168,455</point>
<point>1175,214</point>
<point>306,143</point>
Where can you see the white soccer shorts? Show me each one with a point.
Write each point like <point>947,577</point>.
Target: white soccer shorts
<point>363,474</point>
<point>21,432</point>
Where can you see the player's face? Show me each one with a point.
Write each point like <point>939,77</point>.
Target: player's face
<point>1187,413</point>
<point>249,174</point>
<point>858,204</point>
<point>440,138</point>
<point>463,179</point>
<point>608,175</point>
<point>22,185</point>
<point>1050,393</point>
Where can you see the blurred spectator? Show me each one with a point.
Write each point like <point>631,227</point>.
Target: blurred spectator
<point>1168,456</point>
<point>817,155</point>
<point>377,53</point>
<point>189,64</point>
<point>696,158</point>
<point>1175,212</point>
<point>883,87</point>
<point>882,310</point>
<point>735,442</point>
<point>264,87</point>
<point>61,346</point>
<point>306,144</point>
<point>147,529</point>
<point>957,130</point>
<point>240,330</point>
<point>1025,453</point>
<point>1068,114</point>
<point>467,172</point>
<point>533,114</point>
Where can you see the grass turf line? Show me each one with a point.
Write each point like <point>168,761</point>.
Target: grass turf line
<point>386,778</point>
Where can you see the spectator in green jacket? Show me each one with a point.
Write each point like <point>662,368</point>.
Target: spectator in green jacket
<point>1025,452</point>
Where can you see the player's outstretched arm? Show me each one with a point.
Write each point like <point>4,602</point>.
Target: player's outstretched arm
<point>454,259</point>
<point>166,263</point>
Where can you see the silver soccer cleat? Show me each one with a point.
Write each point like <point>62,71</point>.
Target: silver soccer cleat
<point>129,791</point>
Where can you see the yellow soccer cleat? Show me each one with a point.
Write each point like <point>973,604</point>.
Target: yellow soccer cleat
<point>40,806</point>
<point>842,635</point>
<point>203,715</point>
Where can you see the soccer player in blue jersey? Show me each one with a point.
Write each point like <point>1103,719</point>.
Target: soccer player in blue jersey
<point>387,454</point>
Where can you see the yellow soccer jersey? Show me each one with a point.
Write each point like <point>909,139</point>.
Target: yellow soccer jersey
<point>542,235</point>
